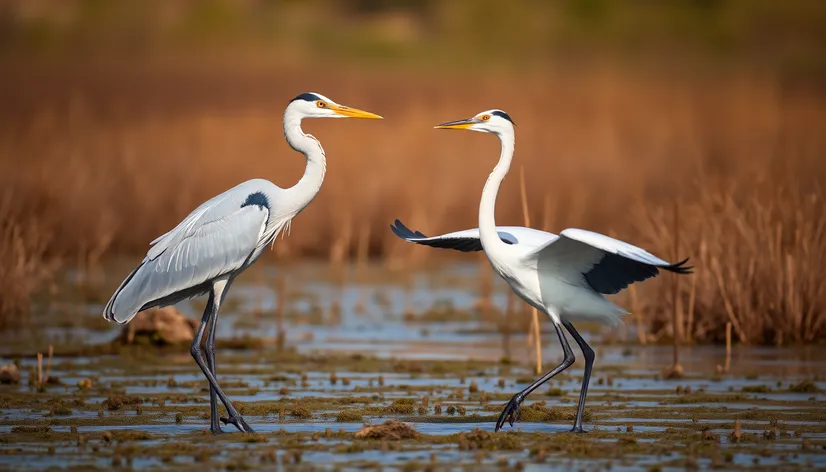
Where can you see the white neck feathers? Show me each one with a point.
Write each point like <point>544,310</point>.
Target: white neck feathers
<point>302,193</point>
<point>487,206</point>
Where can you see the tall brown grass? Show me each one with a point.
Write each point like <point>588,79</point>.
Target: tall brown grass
<point>23,263</point>
<point>107,160</point>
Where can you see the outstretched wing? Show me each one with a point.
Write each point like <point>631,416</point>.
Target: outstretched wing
<point>218,238</point>
<point>605,264</point>
<point>468,240</point>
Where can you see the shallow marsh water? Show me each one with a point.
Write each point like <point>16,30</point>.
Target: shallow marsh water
<point>383,345</point>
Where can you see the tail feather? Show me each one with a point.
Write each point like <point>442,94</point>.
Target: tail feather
<point>616,318</point>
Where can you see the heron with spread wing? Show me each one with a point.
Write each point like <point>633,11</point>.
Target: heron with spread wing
<point>221,238</point>
<point>565,276</point>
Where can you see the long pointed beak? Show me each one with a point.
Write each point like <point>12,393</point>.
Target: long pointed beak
<point>354,112</point>
<point>459,124</point>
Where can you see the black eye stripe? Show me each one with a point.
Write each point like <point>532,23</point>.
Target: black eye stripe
<point>310,97</point>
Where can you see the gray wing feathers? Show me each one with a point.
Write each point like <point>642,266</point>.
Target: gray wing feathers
<point>163,242</point>
<point>201,248</point>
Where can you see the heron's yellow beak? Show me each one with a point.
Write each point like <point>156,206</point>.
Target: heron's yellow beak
<point>354,112</point>
<point>458,124</point>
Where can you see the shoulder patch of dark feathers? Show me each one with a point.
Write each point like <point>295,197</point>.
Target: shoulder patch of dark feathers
<point>257,199</point>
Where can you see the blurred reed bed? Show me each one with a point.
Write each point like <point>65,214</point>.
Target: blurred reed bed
<point>23,265</point>
<point>726,170</point>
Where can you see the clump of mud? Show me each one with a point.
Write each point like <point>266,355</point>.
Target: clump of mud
<point>9,374</point>
<point>159,326</point>
<point>391,430</point>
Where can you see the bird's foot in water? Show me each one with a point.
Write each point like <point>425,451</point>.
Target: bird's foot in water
<point>511,412</point>
<point>239,423</point>
<point>215,429</point>
<point>578,430</point>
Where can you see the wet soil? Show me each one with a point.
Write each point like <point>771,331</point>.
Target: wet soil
<point>411,350</point>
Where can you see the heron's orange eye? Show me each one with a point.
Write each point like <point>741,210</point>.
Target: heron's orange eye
<point>485,117</point>
<point>321,104</point>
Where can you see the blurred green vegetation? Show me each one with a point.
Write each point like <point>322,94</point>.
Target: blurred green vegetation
<point>785,36</point>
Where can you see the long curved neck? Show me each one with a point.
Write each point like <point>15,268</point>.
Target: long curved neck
<point>487,206</point>
<point>303,192</point>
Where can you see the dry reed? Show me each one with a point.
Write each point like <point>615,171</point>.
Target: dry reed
<point>24,264</point>
<point>110,161</point>
<point>534,336</point>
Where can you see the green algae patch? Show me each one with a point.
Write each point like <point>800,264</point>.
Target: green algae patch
<point>350,416</point>
<point>479,439</point>
<point>131,435</point>
<point>402,406</point>
<point>474,418</point>
<point>538,412</point>
<point>38,429</point>
<point>390,430</point>
<point>114,403</point>
<point>705,398</point>
<point>300,412</point>
<point>804,386</point>
<point>239,344</point>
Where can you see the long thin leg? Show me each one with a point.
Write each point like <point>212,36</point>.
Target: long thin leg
<point>218,300</point>
<point>195,350</point>
<point>586,378</point>
<point>511,411</point>
<point>214,423</point>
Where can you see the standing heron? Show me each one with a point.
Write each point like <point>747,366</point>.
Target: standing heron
<point>221,238</point>
<point>563,276</point>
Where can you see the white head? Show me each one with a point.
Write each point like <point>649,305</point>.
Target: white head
<point>491,121</point>
<point>315,105</point>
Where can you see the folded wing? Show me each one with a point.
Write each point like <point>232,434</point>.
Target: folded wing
<point>211,242</point>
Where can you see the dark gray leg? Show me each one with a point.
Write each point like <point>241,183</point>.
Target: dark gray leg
<point>511,411</point>
<point>195,350</point>
<point>586,378</point>
<point>214,424</point>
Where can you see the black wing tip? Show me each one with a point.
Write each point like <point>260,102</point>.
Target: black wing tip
<point>402,231</point>
<point>399,229</point>
<point>680,267</point>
